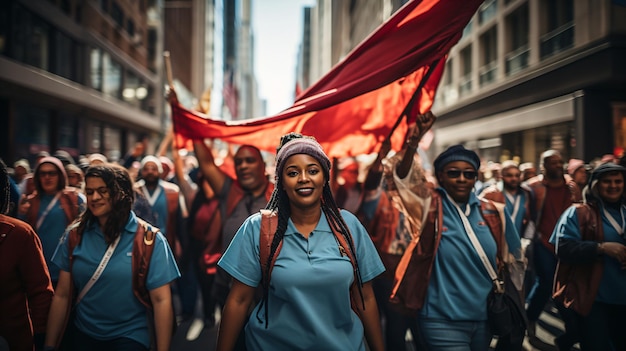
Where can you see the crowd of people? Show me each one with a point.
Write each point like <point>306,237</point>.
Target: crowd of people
<point>323,254</point>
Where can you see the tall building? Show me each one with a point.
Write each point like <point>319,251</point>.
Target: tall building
<point>83,76</point>
<point>530,75</point>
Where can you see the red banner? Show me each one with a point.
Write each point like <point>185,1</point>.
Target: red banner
<point>355,106</point>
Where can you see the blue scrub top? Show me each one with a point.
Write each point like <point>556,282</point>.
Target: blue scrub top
<point>52,228</point>
<point>309,297</point>
<point>613,284</point>
<point>459,282</point>
<point>110,309</point>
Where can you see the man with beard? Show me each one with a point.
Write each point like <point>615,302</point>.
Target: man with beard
<point>239,198</point>
<point>552,195</point>
<point>163,197</point>
<point>517,201</point>
<point>510,193</point>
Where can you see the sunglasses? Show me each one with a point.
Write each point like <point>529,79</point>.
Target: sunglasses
<point>455,173</point>
<point>51,174</point>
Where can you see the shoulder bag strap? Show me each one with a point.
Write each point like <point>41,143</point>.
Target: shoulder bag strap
<point>479,249</point>
<point>96,275</point>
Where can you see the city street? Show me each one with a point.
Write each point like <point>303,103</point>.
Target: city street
<point>548,327</point>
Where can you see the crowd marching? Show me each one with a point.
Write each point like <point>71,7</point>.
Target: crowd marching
<point>310,253</point>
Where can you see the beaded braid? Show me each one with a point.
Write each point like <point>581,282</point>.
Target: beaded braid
<point>278,200</point>
<point>330,208</point>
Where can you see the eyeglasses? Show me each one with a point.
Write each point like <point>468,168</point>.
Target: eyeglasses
<point>103,191</point>
<point>455,173</point>
<point>51,174</point>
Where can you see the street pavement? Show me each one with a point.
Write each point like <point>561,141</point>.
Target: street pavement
<point>548,327</point>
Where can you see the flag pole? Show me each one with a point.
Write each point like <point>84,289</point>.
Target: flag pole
<point>168,69</point>
<point>409,105</point>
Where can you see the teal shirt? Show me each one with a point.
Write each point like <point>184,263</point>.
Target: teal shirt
<point>52,228</point>
<point>459,282</point>
<point>110,309</point>
<point>309,298</point>
<point>612,288</point>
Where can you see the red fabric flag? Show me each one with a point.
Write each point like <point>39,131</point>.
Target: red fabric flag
<point>355,106</point>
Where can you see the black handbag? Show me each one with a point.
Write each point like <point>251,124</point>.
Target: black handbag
<point>500,309</point>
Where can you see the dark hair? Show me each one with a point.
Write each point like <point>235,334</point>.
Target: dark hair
<point>279,202</point>
<point>121,192</point>
<point>5,188</point>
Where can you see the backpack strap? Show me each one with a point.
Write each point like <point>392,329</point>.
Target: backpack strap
<point>69,204</point>
<point>269,223</point>
<point>143,247</point>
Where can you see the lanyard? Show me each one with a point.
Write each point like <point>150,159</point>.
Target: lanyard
<point>618,228</point>
<point>151,198</point>
<point>47,210</point>
<point>515,200</point>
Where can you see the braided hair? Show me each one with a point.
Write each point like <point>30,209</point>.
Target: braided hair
<point>122,196</point>
<point>292,144</point>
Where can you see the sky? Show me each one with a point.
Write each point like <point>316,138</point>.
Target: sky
<point>277,33</point>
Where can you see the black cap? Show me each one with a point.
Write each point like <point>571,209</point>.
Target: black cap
<point>606,168</point>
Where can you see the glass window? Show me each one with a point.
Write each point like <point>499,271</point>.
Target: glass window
<point>117,14</point>
<point>517,29</point>
<point>68,132</point>
<point>112,77</point>
<point>558,27</point>
<point>131,92</point>
<point>95,68</point>
<point>487,11</point>
<point>488,42</point>
<point>31,126</point>
<point>465,84</point>
<point>63,63</point>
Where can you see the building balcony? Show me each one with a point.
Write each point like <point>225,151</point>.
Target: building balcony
<point>517,60</point>
<point>557,40</point>
<point>487,73</point>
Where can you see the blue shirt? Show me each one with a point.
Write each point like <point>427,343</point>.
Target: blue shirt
<point>459,282</point>
<point>309,297</point>
<point>110,309</point>
<point>52,228</point>
<point>612,288</point>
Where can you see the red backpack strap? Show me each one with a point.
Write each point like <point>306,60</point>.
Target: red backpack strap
<point>269,223</point>
<point>143,246</point>
<point>69,204</point>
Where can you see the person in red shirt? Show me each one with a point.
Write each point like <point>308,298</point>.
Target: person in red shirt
<point>26,290</point>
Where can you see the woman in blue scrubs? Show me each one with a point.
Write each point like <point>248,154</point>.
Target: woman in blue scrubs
<point>591,246</point>
<point>307,303</point>
<point>108,316</point>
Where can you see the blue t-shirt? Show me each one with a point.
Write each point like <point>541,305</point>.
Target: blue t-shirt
<point>459,283</point>
<point>110,309</point>
<point>52,228</point>
<point>309,297</point>
<point>612,288</point>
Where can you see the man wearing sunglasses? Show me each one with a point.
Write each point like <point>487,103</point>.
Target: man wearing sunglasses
<point>51,207</point>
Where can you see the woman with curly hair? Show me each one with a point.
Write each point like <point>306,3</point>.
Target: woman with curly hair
<point>108,316</point>
<point>307,298</point>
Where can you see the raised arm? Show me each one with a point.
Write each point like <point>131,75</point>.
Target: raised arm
<point>422,124</point>
<point>210,171</point>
